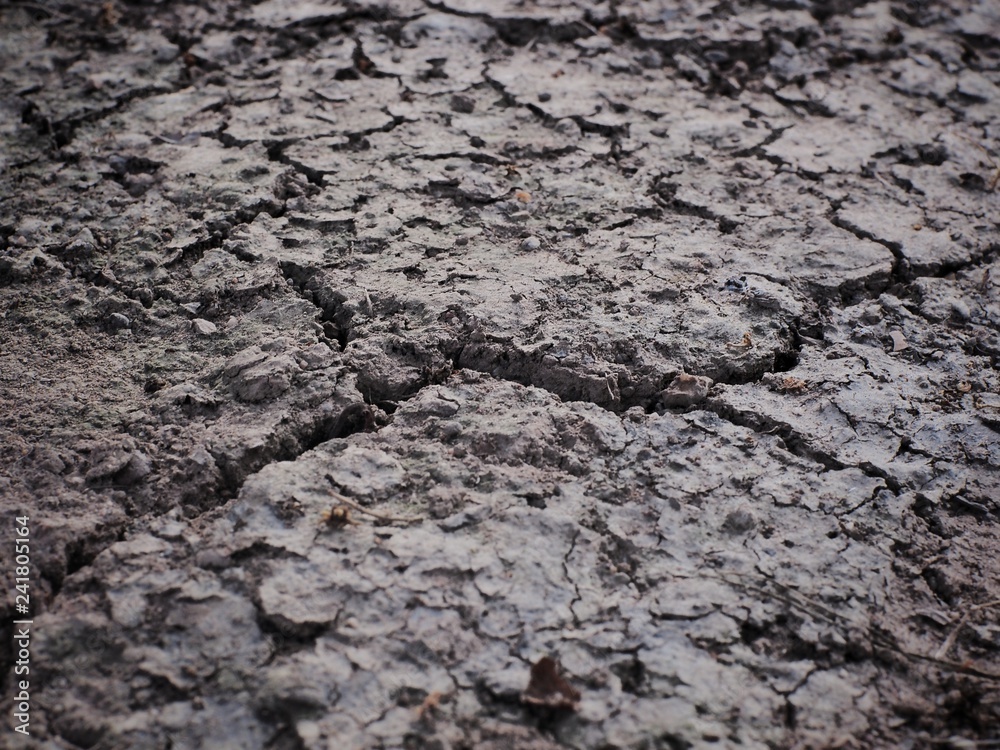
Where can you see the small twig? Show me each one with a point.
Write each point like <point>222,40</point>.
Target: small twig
<point>806,604</point>
<point>374,514</point>
<point>950,640</point>
<point>745,343</point>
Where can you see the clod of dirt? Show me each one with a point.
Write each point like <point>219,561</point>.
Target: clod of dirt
<point>685,390</point>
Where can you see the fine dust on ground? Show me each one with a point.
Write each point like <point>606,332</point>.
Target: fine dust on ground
<point>503,375</point>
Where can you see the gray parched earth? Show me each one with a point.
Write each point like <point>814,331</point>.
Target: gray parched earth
<point>499,374</point>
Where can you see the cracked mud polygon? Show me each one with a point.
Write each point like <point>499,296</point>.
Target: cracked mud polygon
<point>361,364</point>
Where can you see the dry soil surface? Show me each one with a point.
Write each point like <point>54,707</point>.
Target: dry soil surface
<point>502,374</point>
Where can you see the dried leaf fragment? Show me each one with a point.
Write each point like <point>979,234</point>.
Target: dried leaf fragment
<point>745,343</point>
<point>430,703</point>
<point>548,688</point>
<point>203,327</point>
<point>792,385</point>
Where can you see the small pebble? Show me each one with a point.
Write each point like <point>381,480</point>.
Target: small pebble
<point>145,296</point>
<point>120,321</point>
<point>191,307</point>
<point>871,315</point>
<point>462,104</point>
<point>203,327</point>
<point>734,284</point>
<point>308,731</point>
<point>530,243</point>
<point>739,521</point>
<point>172,530</point>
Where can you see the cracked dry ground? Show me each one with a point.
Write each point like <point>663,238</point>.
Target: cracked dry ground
<point>469,266</point>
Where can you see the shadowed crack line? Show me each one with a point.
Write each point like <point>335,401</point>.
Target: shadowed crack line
<point>469,352</point>
<point>902,268</point>
<point>566,573</point>
<point>523,31</point>
<point>793,441</point>
<point>765,585</point>
<point>62,132</point>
